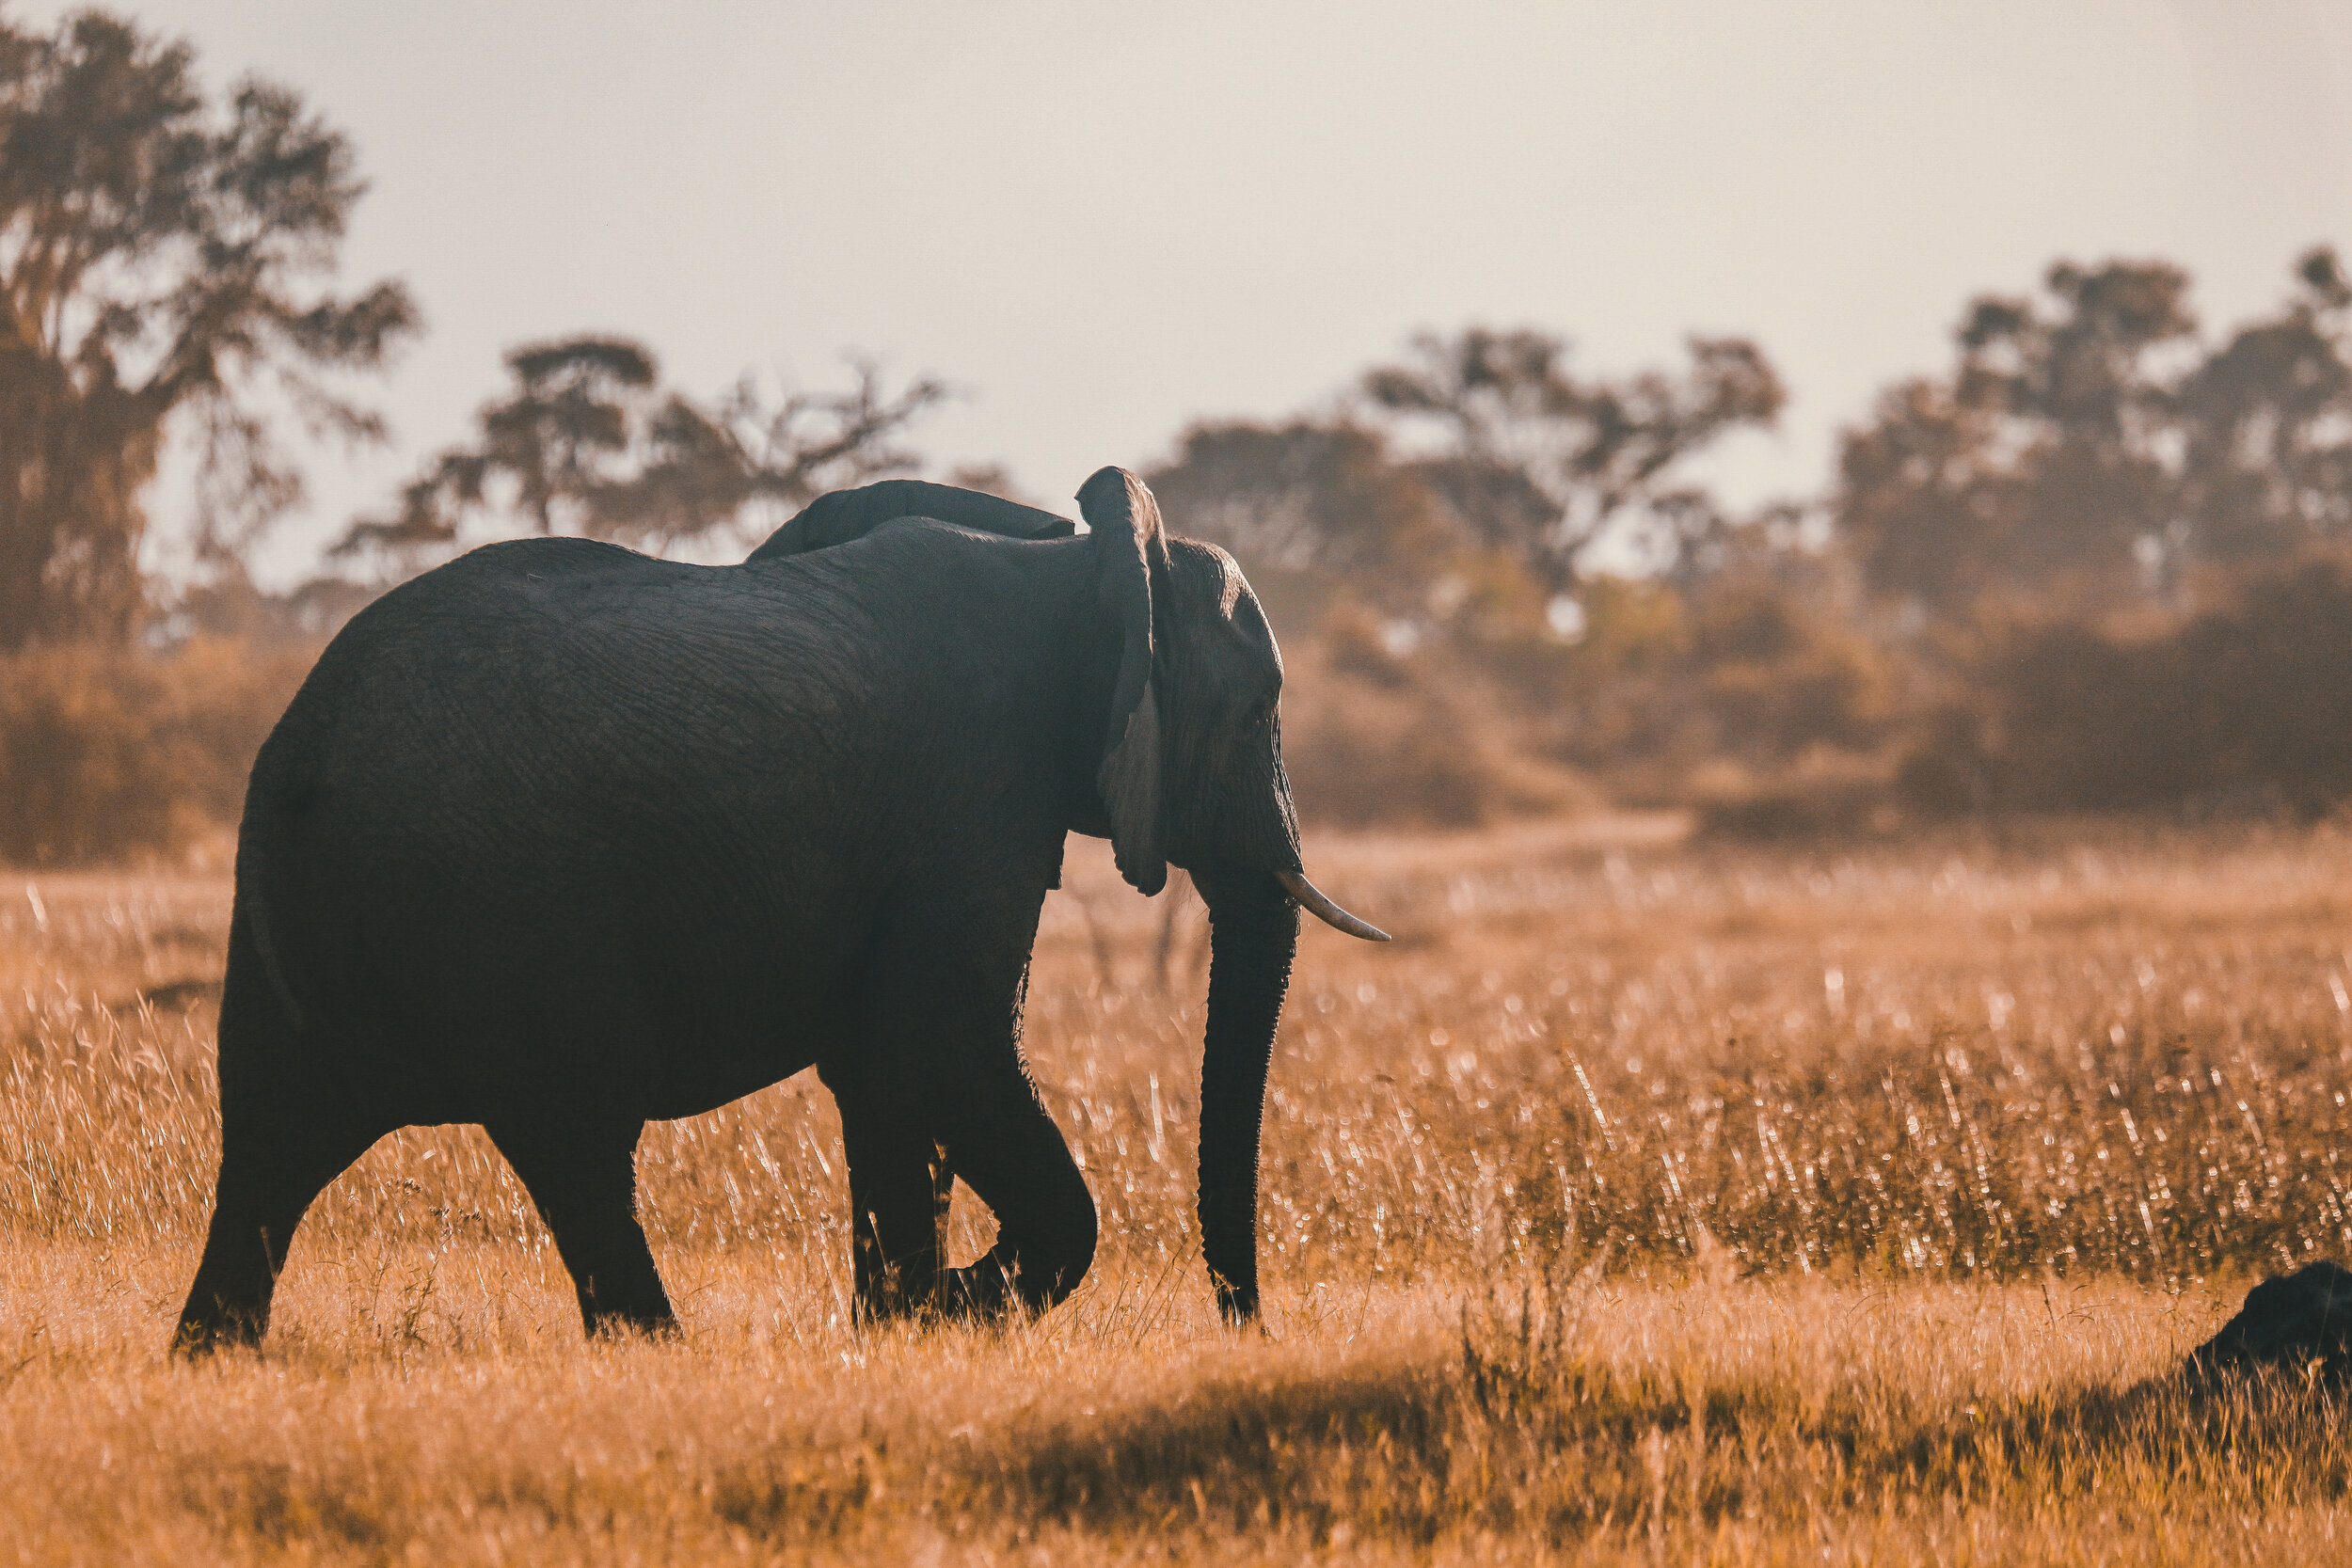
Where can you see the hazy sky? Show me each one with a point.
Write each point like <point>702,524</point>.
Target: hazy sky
<point>1104,220</point>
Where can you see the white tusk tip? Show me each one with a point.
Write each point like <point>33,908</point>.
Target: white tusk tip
<point>1313,900</point>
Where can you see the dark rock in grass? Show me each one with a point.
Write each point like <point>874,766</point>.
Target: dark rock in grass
<point>2299,1324</point>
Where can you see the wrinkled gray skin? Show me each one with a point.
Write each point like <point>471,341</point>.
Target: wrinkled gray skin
<point>561,839</point>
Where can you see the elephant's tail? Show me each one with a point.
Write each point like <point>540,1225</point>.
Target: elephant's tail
<point>254,910</point>
<point>261,854</point>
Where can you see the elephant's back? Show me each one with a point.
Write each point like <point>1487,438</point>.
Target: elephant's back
<point>573,700</point>
<point>523,670</point>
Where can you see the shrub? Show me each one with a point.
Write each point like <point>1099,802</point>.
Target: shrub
<point>2247,704</point>
<point>1370,740</point>
<point>110,753</point>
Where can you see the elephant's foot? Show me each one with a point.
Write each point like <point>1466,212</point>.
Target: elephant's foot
<point>997,1284</point>
<point>981,1291</point>
<point>976,1294</point>
<point>204,1332</point>
<point>662,1326</point>
<point>889,1297</point>
<point>620,1292</point>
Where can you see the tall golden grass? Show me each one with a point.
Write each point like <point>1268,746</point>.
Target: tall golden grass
<point>1643,1202</point>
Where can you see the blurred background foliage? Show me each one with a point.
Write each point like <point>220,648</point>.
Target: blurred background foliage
<point>2101,560</point>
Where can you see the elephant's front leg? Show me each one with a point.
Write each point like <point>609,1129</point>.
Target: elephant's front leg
<point>941,1049</point>
<point>898,1187</point>
<point>1009,1151</point>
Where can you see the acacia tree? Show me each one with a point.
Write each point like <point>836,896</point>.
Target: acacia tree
<point>1305,495</point>
<point>2085,448</point>
<point>586,441</point>
<point>2266,423</point>
<point>1543,462</point>
<point>161,261</point>
<point>2050,470</point>
<point>2043,468</point>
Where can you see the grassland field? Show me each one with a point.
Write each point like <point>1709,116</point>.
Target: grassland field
<point>1644,1201</point>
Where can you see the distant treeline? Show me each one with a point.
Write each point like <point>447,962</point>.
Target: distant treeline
<point>2102,560</point>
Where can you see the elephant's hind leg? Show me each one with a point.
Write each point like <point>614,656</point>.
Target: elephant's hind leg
<point>584,1183</point>
<point>287,1129</point>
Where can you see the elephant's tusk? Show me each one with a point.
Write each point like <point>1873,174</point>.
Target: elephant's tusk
<point>1311,898</point>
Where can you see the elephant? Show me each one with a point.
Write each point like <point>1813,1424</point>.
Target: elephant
<point>561,839</point>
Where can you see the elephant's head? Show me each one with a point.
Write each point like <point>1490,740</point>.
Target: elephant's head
<point>1192,775</point>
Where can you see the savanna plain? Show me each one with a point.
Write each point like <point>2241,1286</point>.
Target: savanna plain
<point>1646,1200</point>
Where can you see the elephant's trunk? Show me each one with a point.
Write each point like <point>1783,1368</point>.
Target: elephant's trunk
<point>1254,935</point>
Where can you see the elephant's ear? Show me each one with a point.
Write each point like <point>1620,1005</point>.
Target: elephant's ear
<point>841,515</point>
<point>1129,552</point>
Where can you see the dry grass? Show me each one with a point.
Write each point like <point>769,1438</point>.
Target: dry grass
<point>1642,1202</point>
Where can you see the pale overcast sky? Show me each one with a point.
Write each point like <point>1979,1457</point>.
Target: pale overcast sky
<point>1107,219</point>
